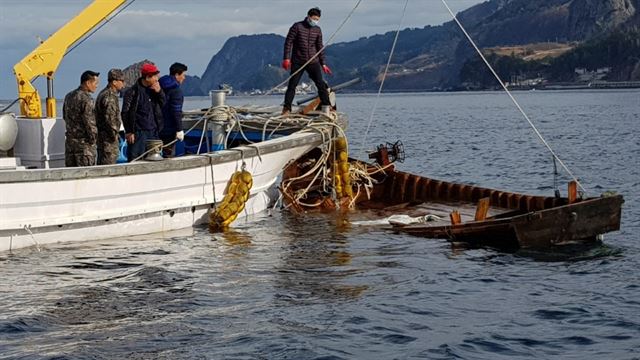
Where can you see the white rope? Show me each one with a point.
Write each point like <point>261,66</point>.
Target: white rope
<point>511,96</point>
<point>319,52</point>
<point>174,140</point>
<point>384,76</point>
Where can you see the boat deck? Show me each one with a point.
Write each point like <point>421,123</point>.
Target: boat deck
<point>440,211</point>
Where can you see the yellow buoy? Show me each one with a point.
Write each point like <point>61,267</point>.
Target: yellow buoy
<point>238,191</point>
<point>341,143</point>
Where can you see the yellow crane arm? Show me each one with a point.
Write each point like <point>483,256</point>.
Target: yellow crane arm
<point>45,59</point>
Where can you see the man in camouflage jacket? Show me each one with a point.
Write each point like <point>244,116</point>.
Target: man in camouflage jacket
<point>79,116</point>
<point>108,118</point>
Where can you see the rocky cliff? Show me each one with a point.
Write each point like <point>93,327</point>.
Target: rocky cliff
<point>245,62</point>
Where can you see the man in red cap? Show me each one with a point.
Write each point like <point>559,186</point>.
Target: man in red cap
<point>142,110</point>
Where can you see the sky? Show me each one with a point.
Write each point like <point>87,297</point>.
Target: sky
<point>188,31</point>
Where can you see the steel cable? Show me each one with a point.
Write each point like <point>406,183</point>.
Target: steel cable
<point>512,98</point>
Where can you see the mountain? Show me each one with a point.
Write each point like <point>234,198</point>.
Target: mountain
<point>430,57</point>
<point>132,72</point>
<point>246,62</point>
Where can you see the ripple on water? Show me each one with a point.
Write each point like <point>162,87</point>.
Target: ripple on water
<point>313,287</point>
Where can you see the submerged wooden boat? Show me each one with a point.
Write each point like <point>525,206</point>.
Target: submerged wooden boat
<point>472,214</point>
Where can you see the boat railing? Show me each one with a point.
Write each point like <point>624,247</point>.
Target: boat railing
<point>223,127</point>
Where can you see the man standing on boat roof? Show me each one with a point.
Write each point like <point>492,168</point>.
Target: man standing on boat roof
<point>108,118</point>
<point>304,42</point>
<point>172,109</point>
<point>142,111</point>
<point>80,121</point>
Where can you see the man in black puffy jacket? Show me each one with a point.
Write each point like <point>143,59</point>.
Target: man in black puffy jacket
<point>142,111</point>
<point>303,42</point>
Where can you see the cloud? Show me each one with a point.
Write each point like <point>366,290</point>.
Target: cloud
<point>190,31</point>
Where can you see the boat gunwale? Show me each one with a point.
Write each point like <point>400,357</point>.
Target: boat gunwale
<point>507,220</point>
<point>473,191</point>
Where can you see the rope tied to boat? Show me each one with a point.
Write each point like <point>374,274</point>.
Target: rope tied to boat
<point>515,102</point>
<point>384,76</point>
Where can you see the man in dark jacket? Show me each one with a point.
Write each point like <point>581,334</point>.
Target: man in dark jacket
<point>172,109</point>
<point>142,111</point>
<point>80,122</point>
<point>303,42</point>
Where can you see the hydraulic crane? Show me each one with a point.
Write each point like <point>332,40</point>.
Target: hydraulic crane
<point>45,59</point>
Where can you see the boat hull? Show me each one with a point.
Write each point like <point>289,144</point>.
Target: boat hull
<point>578,223</point>
<point>44,206</point>
<point>522,221</point>
<point>466,213</point>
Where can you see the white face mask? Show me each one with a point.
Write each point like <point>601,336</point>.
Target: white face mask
<point>312,22</point>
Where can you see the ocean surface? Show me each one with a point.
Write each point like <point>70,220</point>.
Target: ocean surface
<point>311,287</point>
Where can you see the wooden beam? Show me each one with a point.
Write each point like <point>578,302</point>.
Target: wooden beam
<point>573,192</point>
<point>482,209</point>
<point>455,217</point>
<point>311,106</point>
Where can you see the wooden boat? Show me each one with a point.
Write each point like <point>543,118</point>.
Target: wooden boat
<point>471,214</point>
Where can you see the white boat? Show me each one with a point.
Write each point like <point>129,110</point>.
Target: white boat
<point>49,205</point>
<point>41,202</point>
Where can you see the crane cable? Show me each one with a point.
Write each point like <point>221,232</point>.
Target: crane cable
<point>512,98</point>
<point>319,52</point>
<point>78,44</point>
<point>384,75</point>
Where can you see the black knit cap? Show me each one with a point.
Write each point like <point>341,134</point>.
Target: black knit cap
<point>88,75</point>
<point>314,12</point>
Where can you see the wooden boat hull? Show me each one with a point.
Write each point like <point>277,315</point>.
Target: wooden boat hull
<point>570,224</point>
<point>528,221</point>
<point>514,220</point>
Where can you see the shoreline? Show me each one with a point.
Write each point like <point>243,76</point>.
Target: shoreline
<point>418,91</point>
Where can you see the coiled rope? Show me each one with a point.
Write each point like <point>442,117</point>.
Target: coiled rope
<point>512,98</point>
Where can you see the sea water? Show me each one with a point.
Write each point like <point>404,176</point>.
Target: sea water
<point>315,287</point>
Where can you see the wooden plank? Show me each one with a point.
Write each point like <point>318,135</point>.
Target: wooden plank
<point>423,187</point>
<point>579,222</point>
<point>482,209</point>
<point>402,187</point>
<point>413,195</point>
<point>455,217</point>
<point>311,106</point>
<point>573,191</point>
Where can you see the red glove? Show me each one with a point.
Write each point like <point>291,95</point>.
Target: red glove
<point>326,70</point>
<point>286,64</point>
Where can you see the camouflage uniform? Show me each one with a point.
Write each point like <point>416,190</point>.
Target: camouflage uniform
<point>108,121</point>
<point>80,144</point>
